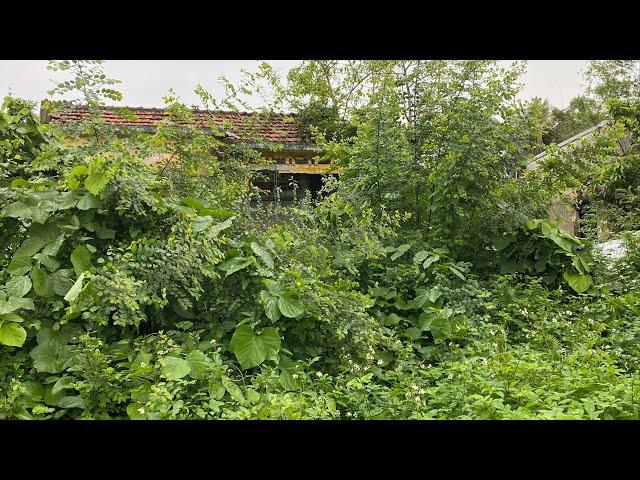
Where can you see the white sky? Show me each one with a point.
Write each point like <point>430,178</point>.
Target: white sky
<point>145,82</point>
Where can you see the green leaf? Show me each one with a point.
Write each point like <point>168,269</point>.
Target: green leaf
<point>96,181</point>
<point>251,349</point>
<point>233,389</point>
<point>501,242</point>
<point>174,368</point>
<point>88,201</point>
<point>290,305</point>
<point>234,264</point>
<point>270,305</point>
<point>10,317</point>
<point>401,250</point>
<point>18,286</point>
<point>420,256</point>
<point>271,343</point>
<point>198,363</point>
<point>42,282</point>
<point>431,260</point>
<point>457,272</point>
<point>75,289</point>
<point>19,265</point>
<point>74,401</point>
<point>19,210</point>
<point>50,356</point>
<point>263,254</point>
<point>579,282</point>
<point>12,334</point>
<point>13,304</point>
<point>440,328</point>
<point>61,385</point>
<point>222,226</point>
<point>30,247</point>
<point>413,333</point>
<point>81,259</point>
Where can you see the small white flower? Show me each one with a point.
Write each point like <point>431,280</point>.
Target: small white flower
<point>319,374</point>
<point>294,376</point>
<point>380,362</point>
<point>141,410</point>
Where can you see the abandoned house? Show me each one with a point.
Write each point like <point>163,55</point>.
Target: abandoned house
<point>564,215</point>
<point>294,164</point>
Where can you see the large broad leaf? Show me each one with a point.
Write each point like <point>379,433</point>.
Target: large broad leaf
<point>290,305</point>
<point>233,389</point>
<point>251,349</point>
<point>198,362</point>
<point>89,201</point>
<point>75,289</point>
<point>18,287</point>
<point>270,305</point>
<point>30,247</point>
<point>234,264</point>
<point>12,334</point>
<point>579,282</point>
<point>42,282</point>
<point>19,265</point>
<point>81,259</point>
<point>401,250</point>
<point>263,254</point>
<point>501,242</point>
<point>440,328</point>
<point>18,210</point>
<point>13,304</point>
<point>174,368</point>
<point>73,401</point>
<point>50,356</point>
<point>271,343</point>
<point>420,256</point>
<point>96,181</point>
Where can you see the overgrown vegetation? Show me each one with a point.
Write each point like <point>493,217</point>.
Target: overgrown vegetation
<point>426,283</point>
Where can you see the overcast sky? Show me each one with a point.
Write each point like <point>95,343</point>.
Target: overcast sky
<point>145,82</point>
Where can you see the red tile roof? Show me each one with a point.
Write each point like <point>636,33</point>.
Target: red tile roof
<point>274,127</point>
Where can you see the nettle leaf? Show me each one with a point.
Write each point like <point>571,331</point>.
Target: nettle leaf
<point>251,349</point>
<point>175,368</point>
<point>12,334</point>
<point>263,253</point>
<point>19,265</point>
<point>18,287</point>
<point>290,305</point>
<point>579,282</point>
<point>81,259</point>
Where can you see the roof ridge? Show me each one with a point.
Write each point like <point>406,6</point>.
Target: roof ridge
<point>197,110</point>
